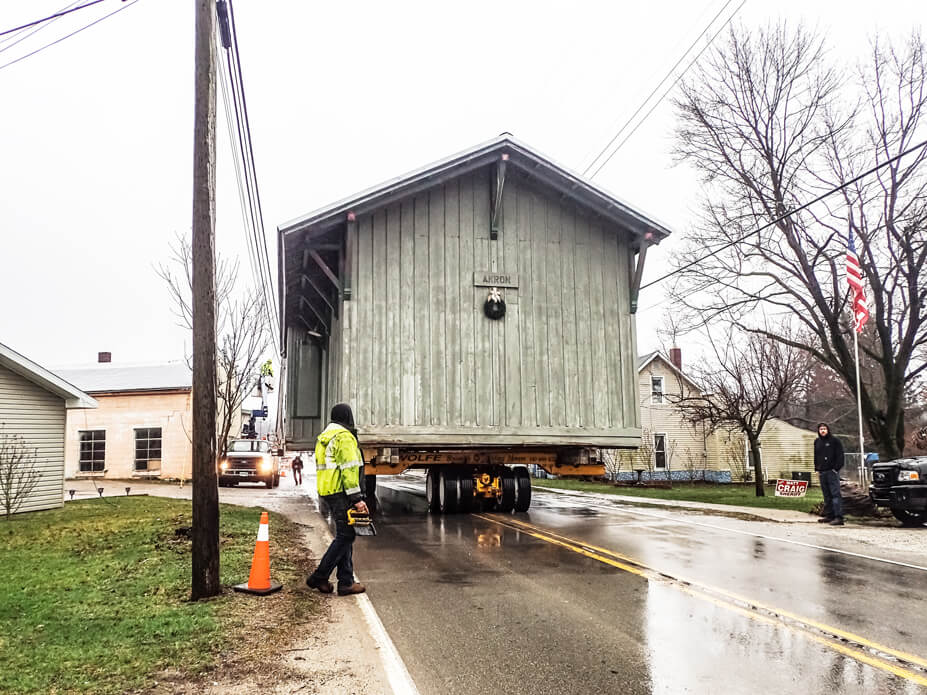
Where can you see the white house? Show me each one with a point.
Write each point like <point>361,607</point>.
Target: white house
<point>34,404</point>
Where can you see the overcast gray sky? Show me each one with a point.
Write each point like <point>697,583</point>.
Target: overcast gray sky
<point>96,132</point>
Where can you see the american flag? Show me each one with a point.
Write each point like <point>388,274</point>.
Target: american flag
<point>855,280</point>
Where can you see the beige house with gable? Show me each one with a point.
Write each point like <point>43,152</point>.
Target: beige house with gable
<point>141,428</point>
<point>683,451</point>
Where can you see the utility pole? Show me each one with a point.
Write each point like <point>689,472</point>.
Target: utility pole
<point>205,484</point>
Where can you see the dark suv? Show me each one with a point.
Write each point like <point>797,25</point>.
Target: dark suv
<point>901,485</point>
<point>249,461</point>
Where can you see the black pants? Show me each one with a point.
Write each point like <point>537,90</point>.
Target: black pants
<point>830,487</point>
<point>297,476</point>
<point>340,553</point>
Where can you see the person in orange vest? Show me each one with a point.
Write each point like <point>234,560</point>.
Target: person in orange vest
<point>338,462</point>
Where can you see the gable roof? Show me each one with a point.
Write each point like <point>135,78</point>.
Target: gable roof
<point>570,184</point>
<point>108,378</point>
<point>644,360</point>
<point>51,382</point>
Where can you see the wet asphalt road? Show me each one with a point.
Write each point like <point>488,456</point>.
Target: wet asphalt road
<point>573,598</point>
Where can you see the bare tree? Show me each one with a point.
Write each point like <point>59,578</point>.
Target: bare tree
<point>770,123</point>
<point>242,333</point>
<point>611,459</point>
<point>18,474</point>
<point>747,383</point>
<point>642,458</point>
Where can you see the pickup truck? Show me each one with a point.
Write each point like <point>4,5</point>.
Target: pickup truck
<point>901,485</point>
<point>249,461</point>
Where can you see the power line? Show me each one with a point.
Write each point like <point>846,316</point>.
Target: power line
<point>837,189</point>
<point>260,211</point>
<point>245,169</point>
<point>12,36</point>
<point>655,89</point>
<point>67,36</point>
<point>50,17</point>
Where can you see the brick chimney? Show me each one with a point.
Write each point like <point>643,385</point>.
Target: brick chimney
<point>676,357</point>
<point>104,357</point>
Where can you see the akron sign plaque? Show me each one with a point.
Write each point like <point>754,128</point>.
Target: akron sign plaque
<point>485,278</point>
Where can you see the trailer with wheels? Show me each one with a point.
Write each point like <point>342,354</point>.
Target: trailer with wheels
<point>479,316</point>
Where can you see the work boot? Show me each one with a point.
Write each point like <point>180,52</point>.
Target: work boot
<point>355,588</point>
<point>825,519</point>
<point>837,522</point>
<point>322,585</point>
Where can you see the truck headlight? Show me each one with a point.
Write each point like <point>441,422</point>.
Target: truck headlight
<point>223,465</point>
<point>908,476</point>
<point>266,466</point>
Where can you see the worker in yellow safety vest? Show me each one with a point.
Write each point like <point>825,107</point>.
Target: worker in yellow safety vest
<point>338,464</point>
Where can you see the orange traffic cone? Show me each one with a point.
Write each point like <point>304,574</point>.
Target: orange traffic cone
<point>259,580</point>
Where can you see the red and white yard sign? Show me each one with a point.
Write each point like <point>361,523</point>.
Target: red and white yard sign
<point>791,488</point>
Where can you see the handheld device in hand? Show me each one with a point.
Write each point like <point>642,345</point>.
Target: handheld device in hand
<point>361,522</point>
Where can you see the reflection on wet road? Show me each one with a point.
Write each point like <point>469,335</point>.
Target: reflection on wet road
<point>568,599</point>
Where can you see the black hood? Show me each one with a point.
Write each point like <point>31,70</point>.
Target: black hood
<point>343,415</point>
<point>818,428</point>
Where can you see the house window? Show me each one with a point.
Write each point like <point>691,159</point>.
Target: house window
<point>656,389</point>
<point>92,450</point>
<point>659,451</point>
<point>147,447</point>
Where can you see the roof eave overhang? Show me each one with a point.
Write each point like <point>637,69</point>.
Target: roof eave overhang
<point>73,397</point>
<point>571,185</point>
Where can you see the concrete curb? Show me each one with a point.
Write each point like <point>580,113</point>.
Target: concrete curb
<point>784,516</point>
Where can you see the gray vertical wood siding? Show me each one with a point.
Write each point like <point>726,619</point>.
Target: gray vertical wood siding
<point>413,348</point>
<point>39,416</point>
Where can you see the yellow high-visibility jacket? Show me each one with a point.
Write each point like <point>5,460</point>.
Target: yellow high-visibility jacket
<point>337,463</point>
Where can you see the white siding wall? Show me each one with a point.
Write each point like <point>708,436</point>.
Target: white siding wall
<point>38,416</point>
<point>683,441</point>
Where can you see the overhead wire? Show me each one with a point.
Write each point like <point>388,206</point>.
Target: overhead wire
<point>245,171</point>
<point>244,104</point>
<point>785,216</point>
<point>655,89</point>
<point>50,17</point>
<point>67,36</point>
<point>238,166</point>
<point>12,36</point>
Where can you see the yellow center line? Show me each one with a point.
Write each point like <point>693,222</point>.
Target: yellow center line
<point>852,637</point>
<point>704,592</point>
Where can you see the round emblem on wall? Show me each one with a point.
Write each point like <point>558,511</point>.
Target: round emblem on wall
<point>494,306</point>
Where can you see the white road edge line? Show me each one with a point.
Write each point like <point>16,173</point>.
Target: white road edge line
<point>396,672</point>
<point>400,680</point>
<point>628,509</point>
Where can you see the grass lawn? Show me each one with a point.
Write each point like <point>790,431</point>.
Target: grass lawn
<point>732,493</point>
<point>95,595</point>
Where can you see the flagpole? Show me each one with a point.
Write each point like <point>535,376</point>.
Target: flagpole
<point>859,403</point>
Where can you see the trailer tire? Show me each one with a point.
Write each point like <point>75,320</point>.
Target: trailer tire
<point>464,492</point>
<point>506,503</point>
<point>370,485</point>
<point>432,482</point>
<point>447,492</point>
<point>522,489</point>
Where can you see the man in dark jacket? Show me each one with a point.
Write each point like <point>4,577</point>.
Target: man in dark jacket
<point>828,460</point>
<point>297,467</point>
